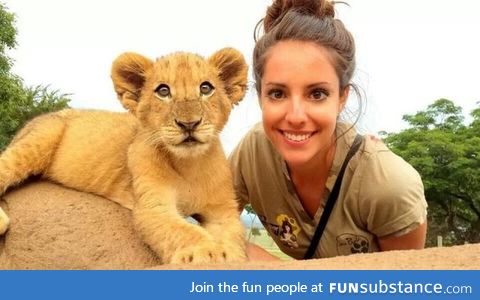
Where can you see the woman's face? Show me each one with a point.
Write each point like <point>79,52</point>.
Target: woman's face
<point>300,100</point>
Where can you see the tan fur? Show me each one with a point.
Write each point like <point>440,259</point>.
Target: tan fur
<point>138,160</point>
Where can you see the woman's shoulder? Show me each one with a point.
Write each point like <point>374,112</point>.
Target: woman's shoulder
<point>386,174</point>
<point>254,140</point>
<point>391,193</point>
<point>255,159</point>
<point>256,133</point>
<point>254,146</point>
<point>384,165</point>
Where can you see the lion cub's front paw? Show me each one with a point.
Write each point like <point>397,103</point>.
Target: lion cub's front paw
<point>236,256</point>
<point>4,221</point>
<point>202,253</point>
<point>235,253</point>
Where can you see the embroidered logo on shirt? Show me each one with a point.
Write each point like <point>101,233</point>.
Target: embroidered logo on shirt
<point>288,230</point>
<point>348,243</point>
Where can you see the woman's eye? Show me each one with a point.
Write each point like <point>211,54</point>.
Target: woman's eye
<point>206,88</point>
<point>318,94</point>
<point>163,91</point>
<point>276,94</point>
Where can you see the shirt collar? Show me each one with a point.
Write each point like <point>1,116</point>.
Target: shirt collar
<point>345,134</point>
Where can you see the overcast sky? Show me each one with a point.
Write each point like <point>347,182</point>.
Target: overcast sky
<point>409,52</point>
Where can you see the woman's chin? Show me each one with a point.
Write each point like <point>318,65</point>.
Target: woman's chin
<point>296,159</point>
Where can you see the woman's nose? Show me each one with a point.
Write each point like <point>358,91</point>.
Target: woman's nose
<point>296,114</point>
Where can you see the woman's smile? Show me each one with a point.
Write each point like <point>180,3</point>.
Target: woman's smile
<point>297,138</point>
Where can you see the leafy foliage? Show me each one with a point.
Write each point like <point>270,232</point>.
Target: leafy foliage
<point>17,102</point>
<point>7,38</point>
<point>28,103</point>
<point>446,153</point>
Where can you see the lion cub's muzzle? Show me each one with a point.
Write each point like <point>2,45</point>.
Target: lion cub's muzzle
<point>188,129</point>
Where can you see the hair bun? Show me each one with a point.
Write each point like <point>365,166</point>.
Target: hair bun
<point>278,9</point>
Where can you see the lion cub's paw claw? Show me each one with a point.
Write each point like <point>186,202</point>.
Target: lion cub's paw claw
<point>209,253</point>
<point>235,254</point>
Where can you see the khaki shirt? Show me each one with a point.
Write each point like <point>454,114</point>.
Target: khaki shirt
<point>380,195</point>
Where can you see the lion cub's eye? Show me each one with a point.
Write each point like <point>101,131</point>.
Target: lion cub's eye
<point>206,88</point>
<point>163,91</point>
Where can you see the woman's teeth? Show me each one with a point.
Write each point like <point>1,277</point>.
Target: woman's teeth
<point>297,137</point>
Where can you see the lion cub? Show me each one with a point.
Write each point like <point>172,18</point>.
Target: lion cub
<point>162,159</point>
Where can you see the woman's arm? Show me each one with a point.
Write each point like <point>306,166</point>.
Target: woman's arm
<point>414,239</point>
<point>255,252</point>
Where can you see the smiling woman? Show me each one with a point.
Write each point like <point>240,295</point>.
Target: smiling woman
<point>294,92</point>
<point>338,193</point>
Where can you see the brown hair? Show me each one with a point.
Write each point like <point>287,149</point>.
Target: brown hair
<point>306,20</point>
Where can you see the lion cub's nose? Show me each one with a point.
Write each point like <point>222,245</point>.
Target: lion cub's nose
<point>188,126</point>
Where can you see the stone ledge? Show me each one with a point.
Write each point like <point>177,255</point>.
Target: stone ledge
<point>466,257</point>
<point>58,228</point>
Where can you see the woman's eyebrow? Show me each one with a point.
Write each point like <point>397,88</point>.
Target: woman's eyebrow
<point>319,83</point>
<point>311,85</point>
<point>276,84</point>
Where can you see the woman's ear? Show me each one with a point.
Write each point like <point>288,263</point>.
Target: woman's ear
<point>128,75</point>
<point>343,98</point>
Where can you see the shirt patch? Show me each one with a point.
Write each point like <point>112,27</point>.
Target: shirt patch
<point>289,230</point>
<point>348,243</point>
<point>285,230</point>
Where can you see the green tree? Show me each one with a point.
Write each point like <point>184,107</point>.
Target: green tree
<point>446,153</point>
<point>19,103</point>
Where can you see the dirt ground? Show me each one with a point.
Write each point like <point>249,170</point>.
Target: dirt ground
<point>465,257</point>
<point>57,228</point>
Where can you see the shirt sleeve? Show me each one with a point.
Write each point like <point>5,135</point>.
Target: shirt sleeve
<point>237,160</point>
<point>392,200</point>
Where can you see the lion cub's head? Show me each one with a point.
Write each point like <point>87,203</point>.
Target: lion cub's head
<point>183,100</point>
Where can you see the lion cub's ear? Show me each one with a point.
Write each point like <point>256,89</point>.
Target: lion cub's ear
<point>129,74</point>
<point>232,70</point>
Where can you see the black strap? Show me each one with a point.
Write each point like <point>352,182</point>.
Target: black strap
<point>332,199</point>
